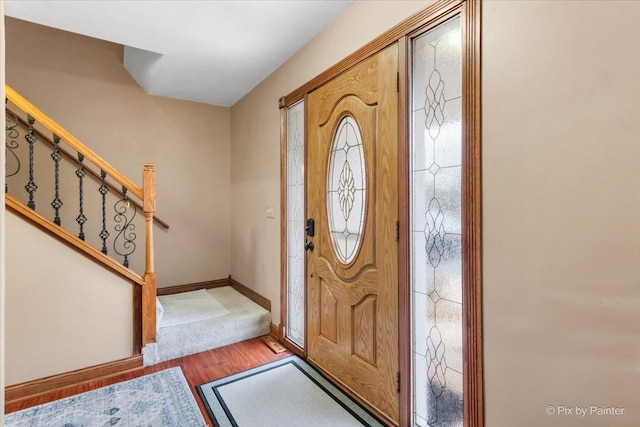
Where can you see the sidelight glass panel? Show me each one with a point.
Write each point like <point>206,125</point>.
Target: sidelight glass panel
<point>295,224</point>
<point>436,226</point>
<point>346,189</point>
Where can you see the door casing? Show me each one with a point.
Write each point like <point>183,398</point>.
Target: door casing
<point>430,16</point>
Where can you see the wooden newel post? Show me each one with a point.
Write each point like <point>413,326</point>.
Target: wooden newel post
<point>149,288</point>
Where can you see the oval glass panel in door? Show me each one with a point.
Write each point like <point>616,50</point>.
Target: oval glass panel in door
<point>346,190</point>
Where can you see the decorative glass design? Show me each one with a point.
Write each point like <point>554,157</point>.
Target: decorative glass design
<point>346,190</point>
<point>295,224</point>
<point>436,226</point>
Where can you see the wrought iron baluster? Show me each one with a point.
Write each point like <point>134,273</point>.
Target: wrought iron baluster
<point>56,204</point>
<point>31,186</point>
<point>81,219</point>
<point>104,234</point>
<point>11,144</point>
<point>124,244</point>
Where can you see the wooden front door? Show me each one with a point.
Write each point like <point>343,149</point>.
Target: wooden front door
<point>352,304</point>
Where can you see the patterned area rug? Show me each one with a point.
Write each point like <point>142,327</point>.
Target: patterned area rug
<point>159,399</point>
<point>284,393</point>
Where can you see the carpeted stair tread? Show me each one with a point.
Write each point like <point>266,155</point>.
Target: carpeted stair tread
<point>246,320</point>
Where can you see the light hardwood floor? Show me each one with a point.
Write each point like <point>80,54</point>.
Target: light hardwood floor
<point>197,368</point>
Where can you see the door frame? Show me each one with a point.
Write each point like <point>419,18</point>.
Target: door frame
<point>434,14</point>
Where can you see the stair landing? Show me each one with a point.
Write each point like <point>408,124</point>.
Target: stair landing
<point>246,320</point>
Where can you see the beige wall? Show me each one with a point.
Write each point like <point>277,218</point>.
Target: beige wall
<point>69,194</point>
<point>255,130</point>
<point>58,318</point>
<point>561,98</point>
<point>561,101</point>
<point>82,84</point>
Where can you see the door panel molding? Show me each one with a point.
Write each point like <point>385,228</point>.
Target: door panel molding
<point>433,14</point>
<point>364,357</point>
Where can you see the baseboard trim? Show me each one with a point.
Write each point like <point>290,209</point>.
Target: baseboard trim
<point>275,332</point>
<point>252,295</point>
<point>210,284</point>
<point>56,382</point>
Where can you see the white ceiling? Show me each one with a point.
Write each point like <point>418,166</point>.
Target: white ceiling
<point>212,51</point>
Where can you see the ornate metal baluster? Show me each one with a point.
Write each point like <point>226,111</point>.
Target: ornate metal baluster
<point>57,156</point>
<point>104,234</point>
<point>31,186</point>
<point>12,133</point>
<point>81,219</point>
<point>124,244</point>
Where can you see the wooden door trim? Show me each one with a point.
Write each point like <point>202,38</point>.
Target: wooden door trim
<point>410,24</point>
<point>432,15</point>
<point>404,244</point>
<point>473,377</point>
<point>284,295</point>
<point>284,176</point>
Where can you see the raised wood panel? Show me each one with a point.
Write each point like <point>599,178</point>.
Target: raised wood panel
<point>328,314</point>
<point>357,83</point>
<point>363,320</point>
<point>53,383</point>
<point>350,291</point>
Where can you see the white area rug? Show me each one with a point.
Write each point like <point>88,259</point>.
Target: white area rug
<point>162,399</point>
<point>188,307</point>
<point>285,393</point>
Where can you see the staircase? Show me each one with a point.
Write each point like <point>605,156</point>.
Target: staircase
<point>58,184</point>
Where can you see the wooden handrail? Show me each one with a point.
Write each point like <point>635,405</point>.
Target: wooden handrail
<point>20,102</point>
<point>20,208</point>
<point>91,172</point>
<point>144,298</point>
